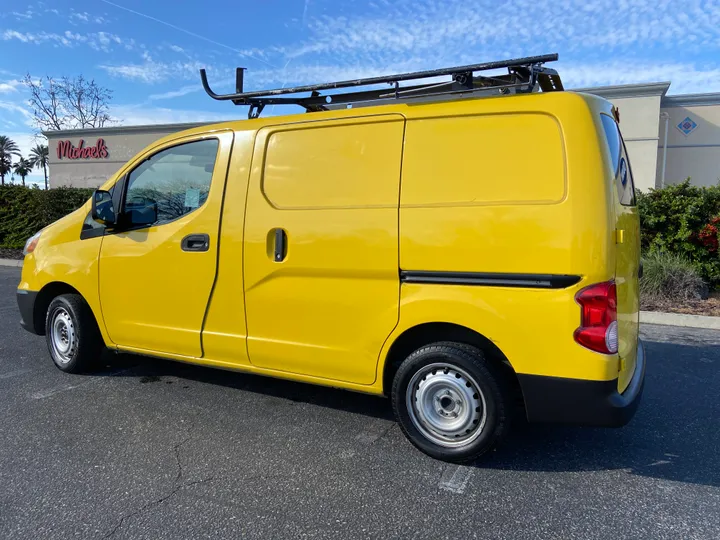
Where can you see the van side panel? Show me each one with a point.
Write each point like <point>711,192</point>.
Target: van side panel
<point>507,192</point>
<point>321,246</point>
<point>225,331</point>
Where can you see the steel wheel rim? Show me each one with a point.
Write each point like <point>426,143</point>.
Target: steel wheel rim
<point>62,335</point>
<point>446,405</point>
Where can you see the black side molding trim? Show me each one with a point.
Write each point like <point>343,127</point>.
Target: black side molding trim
<point>490,279</point>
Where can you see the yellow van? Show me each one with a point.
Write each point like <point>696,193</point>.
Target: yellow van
<point>465,248</point>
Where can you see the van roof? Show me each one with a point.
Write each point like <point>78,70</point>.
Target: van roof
<point>411,109</point>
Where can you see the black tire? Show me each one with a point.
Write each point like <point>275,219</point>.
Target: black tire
<point>493,404</point>
<point>70,312</point>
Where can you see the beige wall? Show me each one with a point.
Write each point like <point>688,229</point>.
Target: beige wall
<point>122,144</point>
<point>639,107</point>
<point>639,123</point>
<point>696,155</point>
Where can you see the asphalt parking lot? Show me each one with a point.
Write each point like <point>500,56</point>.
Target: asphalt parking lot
<point>153,449</point>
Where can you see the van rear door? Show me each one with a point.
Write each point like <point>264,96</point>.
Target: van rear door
<point>627,256</point>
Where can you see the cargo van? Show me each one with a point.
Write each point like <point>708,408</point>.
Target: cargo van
<point>466,249</point>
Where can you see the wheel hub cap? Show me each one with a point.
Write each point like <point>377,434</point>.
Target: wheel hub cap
<point>446,405</point>
<point>63,335</point>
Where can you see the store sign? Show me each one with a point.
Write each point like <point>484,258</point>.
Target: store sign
<point>66,149</point>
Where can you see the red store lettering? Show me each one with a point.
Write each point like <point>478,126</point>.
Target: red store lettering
<point>66,149</point>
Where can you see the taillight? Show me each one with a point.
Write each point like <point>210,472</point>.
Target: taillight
<point>598,327</point>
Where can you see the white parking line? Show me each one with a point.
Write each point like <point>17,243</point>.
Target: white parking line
<point>65,387</point>
<point>14,373</point>
<point>455,478</point>
<point>52,391</point>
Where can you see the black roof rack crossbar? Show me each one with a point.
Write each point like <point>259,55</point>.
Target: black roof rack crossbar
<point>523,75</point>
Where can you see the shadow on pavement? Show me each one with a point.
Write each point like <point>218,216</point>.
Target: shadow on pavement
<point>675,434</point>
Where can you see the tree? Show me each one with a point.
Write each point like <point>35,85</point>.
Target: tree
<point>68,103</point>
<point>39,159</point>
<point>22,168</point>
<point>8,148</point>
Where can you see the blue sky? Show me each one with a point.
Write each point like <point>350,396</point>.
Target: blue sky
<point>149,53</point>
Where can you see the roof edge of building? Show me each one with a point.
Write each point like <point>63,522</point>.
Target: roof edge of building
<point>687,100</point>
<point>627,90</point>
<point>110,130</point>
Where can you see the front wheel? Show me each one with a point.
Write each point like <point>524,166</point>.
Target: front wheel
<point>451,402</point>
<point>72,334</point>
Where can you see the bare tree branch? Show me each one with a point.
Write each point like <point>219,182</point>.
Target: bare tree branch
<point>68,103</point>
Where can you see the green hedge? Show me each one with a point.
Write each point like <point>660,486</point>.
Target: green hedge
<point>24,211</point>
<point>684,220</point>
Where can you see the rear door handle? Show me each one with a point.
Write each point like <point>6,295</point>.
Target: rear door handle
<point>280,245</point>
<point>196,242</point>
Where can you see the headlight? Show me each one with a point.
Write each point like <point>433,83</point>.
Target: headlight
<point>31,244</point>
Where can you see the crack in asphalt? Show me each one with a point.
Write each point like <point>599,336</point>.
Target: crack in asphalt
<point>176,451</point>
<point>153,504</point>
<point>178,486</point>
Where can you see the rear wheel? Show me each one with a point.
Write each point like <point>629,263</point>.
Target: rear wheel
<point>451,402</point>
<point>72,334</point>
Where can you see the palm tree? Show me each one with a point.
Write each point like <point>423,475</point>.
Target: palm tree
<point>22,168</point>
<point>39,159</point>
<point>8,148</point>
<point>5,167</point>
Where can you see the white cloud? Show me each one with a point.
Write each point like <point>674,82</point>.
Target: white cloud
<point>185,90</point>
<point>10,86</point>
<point>85,17</point>
<point>176,48</point>
<point>16,108</point>
<point>445,28</point>
<point>151,71</point>
<point>684,78</point>
<point>99,41</point>
<point>423,34</point>
<point>132,115</point>
<point>25,16</point>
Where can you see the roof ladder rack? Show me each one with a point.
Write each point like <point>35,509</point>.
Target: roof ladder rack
<point>524,75</point>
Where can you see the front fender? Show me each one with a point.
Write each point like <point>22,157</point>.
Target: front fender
<point>62,257</point>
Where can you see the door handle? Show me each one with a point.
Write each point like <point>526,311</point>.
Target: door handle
<point>196,242</point>
<point>280,245</point>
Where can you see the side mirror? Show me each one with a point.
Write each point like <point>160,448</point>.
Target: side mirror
<point>103,210</point>
<point>141,211</point>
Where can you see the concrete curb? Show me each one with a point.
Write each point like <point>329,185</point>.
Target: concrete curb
<point>11,262</point>
<point>680,319</point>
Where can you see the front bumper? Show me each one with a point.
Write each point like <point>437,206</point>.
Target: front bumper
<point>577,401</point>
<point>26,303</point>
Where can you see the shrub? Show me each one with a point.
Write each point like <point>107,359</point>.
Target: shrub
<point>683,220</point>
<point>24,210</point>
<point>670,277</point>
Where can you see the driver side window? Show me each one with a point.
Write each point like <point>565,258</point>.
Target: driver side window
<point>171,183</point>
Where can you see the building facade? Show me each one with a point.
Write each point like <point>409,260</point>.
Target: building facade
<point>669,138</point>
<point>88,157</point>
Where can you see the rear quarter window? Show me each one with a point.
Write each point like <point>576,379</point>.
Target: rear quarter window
<point>619,161</point>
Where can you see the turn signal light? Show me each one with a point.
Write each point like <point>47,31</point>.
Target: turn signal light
<point>598,324</point>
